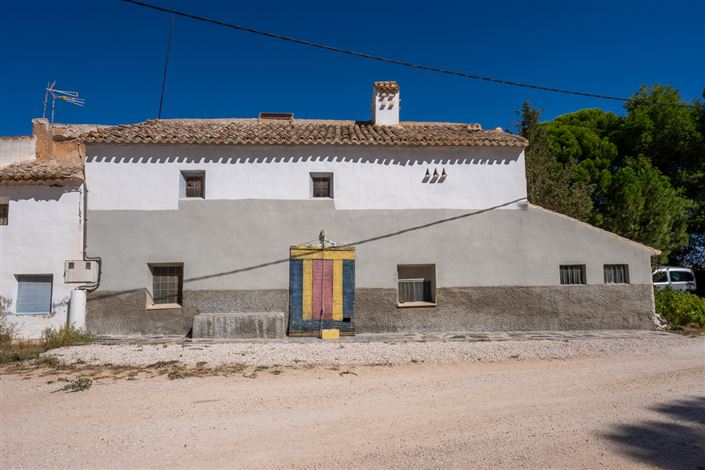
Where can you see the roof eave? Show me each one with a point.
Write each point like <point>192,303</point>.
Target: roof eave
<point>64,181</point>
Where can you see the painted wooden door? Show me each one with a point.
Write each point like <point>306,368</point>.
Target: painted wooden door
<point>321,289</point>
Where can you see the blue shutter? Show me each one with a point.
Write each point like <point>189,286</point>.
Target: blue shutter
<point>34,294</point>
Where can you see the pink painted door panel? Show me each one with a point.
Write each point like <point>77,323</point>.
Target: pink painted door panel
<point>322,290</point>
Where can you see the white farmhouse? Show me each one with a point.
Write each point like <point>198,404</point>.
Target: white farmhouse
<point>195,216</point>
<point>41,226</point>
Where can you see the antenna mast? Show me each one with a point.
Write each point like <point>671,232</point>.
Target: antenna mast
<point>62,95</point>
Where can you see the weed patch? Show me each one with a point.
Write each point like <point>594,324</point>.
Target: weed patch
<point>160,364</point>
<point>22,351</point>
<point>78,385</point>
<point>17,350</point>
<point>66,336</point>
<point>177,373</point>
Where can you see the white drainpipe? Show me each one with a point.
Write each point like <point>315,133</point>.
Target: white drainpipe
<point>77,309</point>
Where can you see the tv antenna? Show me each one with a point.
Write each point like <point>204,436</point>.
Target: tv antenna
<point>61,95</point>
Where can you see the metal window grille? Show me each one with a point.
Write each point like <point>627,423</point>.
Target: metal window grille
<point>573,274</point>
<point>321,186</point>
<point>167,284</point>
<point>616,274</point>
<point>4,213</point>
<point>34,293</point>
<point>415,290</point>
<point>194,185</point>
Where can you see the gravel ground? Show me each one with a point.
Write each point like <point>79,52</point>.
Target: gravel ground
<point>637,404</point>
<point>390,352</point>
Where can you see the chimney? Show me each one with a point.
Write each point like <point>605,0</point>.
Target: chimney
<point>42,134</point>
<point>385,104</point>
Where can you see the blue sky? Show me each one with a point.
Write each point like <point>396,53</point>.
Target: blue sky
<point>113,53</point>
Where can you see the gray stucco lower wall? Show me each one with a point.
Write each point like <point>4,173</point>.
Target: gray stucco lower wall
<point>126,313</point>
<point>244,245</point>
<point>458,309</point>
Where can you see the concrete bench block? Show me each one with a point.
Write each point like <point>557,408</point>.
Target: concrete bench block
<point>240,325</point>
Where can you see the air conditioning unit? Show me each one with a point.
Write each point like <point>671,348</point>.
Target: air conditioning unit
<point>80,271</point>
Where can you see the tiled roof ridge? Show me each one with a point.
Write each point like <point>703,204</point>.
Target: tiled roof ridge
<point>253,131</point>
<point>286,122</point>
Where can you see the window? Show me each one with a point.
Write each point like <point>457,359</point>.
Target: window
<point>660,276</point>
<point>322,185</point>
<point>417,284</point>
<point>34,294</point>
<point>681,276</point>
<point>167,284</point>
<point>193,184</point>
<point>573,274</point>
<point>4,210</point>
<point>616,274</point>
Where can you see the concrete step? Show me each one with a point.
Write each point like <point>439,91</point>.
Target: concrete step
<point>240,325</point>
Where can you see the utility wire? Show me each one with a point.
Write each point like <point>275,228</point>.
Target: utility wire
<point>166,66</point>
<point>391,61</point>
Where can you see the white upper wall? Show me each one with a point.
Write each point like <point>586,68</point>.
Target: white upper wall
<point>44,229</point>
<point>146,177</point>
<point>17,149</point>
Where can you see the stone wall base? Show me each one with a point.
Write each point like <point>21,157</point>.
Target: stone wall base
<point>504,308</point>
<point>599,307</point>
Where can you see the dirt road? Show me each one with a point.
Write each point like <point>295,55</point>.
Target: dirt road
<point>630,412</point>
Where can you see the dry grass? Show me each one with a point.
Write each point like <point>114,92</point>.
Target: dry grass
<point>51,370</point>
<point>18,350</point>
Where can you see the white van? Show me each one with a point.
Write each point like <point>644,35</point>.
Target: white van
<point>675,278</point>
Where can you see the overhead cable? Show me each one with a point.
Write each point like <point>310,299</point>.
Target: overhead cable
<point>393,61</point>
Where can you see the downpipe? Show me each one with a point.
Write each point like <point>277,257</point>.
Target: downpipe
<point>76,317</point>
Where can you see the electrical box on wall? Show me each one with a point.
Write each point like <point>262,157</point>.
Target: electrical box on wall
<point>80,271</point>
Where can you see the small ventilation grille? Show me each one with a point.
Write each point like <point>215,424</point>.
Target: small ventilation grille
<point>277,116</point>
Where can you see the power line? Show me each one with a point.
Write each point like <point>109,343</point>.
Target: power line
<point>392,61</point>
<point>166,65</point>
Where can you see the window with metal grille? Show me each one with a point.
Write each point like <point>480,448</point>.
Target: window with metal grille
<point>322,185</point>
<point>415,290</point>
<point>573,274</point>
<point>34,294</point>
<point>616,274</point>
<point>416,284</point>
<point>193,184</point>
<point>4,212</point>
<point>167,284</point>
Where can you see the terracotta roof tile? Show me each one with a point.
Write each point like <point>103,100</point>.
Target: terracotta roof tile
<point>302,132</point>
<point>387,87</point>
<point>36,172</point>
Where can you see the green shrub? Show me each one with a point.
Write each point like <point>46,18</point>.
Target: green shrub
<point>680,308</point>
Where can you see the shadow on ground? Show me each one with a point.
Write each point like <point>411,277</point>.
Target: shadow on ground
<point>676,440</point>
